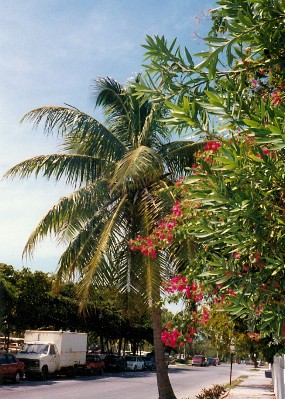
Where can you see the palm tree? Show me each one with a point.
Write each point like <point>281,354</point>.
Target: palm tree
<point>120,172</point>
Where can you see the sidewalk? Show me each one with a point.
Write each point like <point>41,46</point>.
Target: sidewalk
<point>255,386</point>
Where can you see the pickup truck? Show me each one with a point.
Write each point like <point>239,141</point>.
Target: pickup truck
<point>199,360</point>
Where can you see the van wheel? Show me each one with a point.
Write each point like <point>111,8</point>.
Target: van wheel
<point>44,373</point>
<point>17,377</point>
<point>71,372</point>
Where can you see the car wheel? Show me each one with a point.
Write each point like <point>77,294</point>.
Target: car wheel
<point>135,368</point>
<point>92,371</point>
<point>17,377</point>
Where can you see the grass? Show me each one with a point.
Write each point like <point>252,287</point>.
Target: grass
<point>222,392</point>
<point>236,382</point>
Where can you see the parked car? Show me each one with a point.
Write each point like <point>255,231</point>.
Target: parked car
<point>212,361</point>
<point>114,363</point>
<point>94,365</point>
<point>134,363</point>
<point>199,360</point>
<point>149,362</point>
<point>10,368</point>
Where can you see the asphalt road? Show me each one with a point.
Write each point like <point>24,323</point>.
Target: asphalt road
<point>187,382</point>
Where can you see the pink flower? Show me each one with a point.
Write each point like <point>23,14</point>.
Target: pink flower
<point>176,209</point>
<point>212,146</point>
<point>206,316</point>
<point>276,98</point>
<point>257,255</point>
<point>188,292</point>
<point>152,253</point>
<point>189,338</point>
<point>198,297</point>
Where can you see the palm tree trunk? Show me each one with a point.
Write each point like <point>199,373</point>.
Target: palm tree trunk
<point>165,390</point>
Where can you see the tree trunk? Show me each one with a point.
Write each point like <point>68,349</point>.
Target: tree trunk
<point>165,390</point>
<point>102,343</point>
<point>120,346</point>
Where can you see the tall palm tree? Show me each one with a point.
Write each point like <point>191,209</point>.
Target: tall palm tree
<point>120,172</point>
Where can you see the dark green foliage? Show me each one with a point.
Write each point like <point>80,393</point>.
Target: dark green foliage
<point>28,301</point>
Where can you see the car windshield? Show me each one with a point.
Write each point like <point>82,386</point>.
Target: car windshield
<point>131,358</point>
<point>34,348</point>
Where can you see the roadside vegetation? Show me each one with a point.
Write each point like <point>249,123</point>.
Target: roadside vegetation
<point>199,218</point>
<point>231,204</point>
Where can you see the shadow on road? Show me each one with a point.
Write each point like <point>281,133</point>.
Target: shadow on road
<point>126,374</point>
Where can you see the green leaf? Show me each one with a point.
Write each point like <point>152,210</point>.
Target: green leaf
<point>251,123</point>
<point>255,158</point>
<point>275,129</point>
<point>188,56</point>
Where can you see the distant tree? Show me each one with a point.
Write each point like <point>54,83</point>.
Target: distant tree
<point>33,300</point>
<point>28,301</point>
<point>220,331</point>
<point>8,293</point>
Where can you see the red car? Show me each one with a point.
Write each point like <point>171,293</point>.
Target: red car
<point>10,368</point>
<point>199,360</point>
<point>94,364</point>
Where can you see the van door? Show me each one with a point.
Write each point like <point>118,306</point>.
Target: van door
<point>53,359</point>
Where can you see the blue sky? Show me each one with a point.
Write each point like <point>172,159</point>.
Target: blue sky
<point>51,50</point>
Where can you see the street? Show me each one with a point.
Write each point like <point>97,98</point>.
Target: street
<point>187,382</point>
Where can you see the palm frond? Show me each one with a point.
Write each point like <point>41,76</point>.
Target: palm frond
<point>130,119</point>
<point>153,203</point>
<point>107,92</point>
<point>137,169</point>
<point>80,250</point>
<point>90,269</point>
<point>180,155</point>
<point>71,214</point>
<point>76,169</point>
<point>94,137</point>
<point>147,130</point>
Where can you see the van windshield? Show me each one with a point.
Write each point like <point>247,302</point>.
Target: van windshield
<point>34,348</point>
